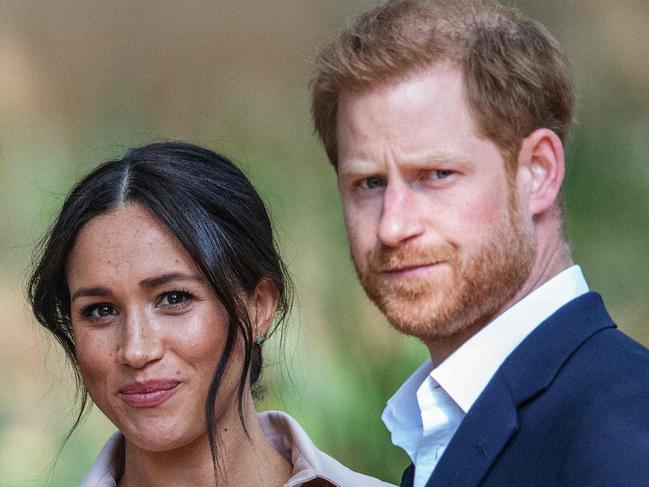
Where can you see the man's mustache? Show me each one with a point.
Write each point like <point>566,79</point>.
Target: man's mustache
<point>386,259</point>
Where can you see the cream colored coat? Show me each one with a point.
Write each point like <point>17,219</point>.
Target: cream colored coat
<point>310,465</point>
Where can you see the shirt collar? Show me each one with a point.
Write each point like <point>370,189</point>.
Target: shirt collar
<point>402,416</point>
<point>466,372</point>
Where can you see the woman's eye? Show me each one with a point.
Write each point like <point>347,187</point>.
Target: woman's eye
<point>372,183</point>
<point>175,298</point>
<point>98,311</point>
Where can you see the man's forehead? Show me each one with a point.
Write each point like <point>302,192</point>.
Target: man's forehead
<point>401,105</point>
<point>408,85</point>
<point>416,121</point>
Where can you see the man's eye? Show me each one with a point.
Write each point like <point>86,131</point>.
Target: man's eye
<point>98,311</point>
<point>372,183</point>
<point>441,174</point>
<point>437,175</point>
<point>175,298</point>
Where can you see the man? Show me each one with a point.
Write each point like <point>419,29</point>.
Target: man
<point>445,122</point>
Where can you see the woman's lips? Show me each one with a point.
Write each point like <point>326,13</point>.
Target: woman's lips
<point>148,394</point>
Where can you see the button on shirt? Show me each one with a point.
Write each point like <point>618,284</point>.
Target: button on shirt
<point>428,408</point>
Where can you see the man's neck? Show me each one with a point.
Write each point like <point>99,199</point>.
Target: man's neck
<point>550,261</point>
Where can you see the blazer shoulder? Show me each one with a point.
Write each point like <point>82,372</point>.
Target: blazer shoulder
<point>614,358</point>
<point>609,377</point>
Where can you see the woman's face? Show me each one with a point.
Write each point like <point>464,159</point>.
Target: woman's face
<point>147,327</point>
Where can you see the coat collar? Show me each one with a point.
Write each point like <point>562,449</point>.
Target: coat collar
<point>311,466</point>
<point>309,463</point>
<point>530,369</point>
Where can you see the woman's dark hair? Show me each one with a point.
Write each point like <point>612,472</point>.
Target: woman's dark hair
<point>211,208</point>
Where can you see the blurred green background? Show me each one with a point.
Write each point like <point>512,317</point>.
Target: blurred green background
<point>81,81</point>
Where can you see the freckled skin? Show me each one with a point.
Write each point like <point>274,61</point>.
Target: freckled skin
<point>143,338</point>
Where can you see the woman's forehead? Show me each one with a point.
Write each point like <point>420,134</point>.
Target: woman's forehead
<point>127,243</point>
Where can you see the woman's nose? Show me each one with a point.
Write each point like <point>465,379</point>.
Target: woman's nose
<point>141,342</point>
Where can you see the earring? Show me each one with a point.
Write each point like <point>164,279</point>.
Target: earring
<point>260,340</point>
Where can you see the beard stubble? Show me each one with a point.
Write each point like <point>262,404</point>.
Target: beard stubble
<point>460,291</point>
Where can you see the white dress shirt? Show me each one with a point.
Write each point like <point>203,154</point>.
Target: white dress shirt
<point>428,408</point>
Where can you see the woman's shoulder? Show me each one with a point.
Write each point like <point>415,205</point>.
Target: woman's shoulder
<point>311,466</point>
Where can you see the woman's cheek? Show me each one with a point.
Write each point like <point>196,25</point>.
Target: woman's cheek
<point>96,359</point>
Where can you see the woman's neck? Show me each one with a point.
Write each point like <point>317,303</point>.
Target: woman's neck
<point>242,461</point>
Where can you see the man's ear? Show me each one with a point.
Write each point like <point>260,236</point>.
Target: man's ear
<point>541,168</point>
<point>262,305</point>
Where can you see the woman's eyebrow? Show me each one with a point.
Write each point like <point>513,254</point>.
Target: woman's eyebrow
<point>90,291</point>
<point>145,283</point>
<point>165,278</point>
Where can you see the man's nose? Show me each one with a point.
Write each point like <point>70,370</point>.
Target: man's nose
<point>400,217</point>
<point>141,342</point>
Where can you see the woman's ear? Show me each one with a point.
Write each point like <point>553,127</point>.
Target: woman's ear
<point>262,306</point>
<point>541,169</point>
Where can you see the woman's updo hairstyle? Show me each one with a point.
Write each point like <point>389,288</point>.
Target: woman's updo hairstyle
<point>210,207</point>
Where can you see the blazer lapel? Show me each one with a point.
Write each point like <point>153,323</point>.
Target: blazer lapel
<point>529,370</point>
<point>481,436</point>
<point>532,367</point>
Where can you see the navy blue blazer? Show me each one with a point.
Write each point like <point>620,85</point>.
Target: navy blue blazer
<point>568,407</point>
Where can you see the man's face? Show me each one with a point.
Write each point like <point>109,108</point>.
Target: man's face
<point>435,229</point>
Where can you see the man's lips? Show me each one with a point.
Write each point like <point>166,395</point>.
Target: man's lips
<point>409,268</point>
<point>149,393</point>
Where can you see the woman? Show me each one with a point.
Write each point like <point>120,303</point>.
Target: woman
<point>161,281</point>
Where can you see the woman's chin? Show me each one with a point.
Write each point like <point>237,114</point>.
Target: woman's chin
<point>160,438</point>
